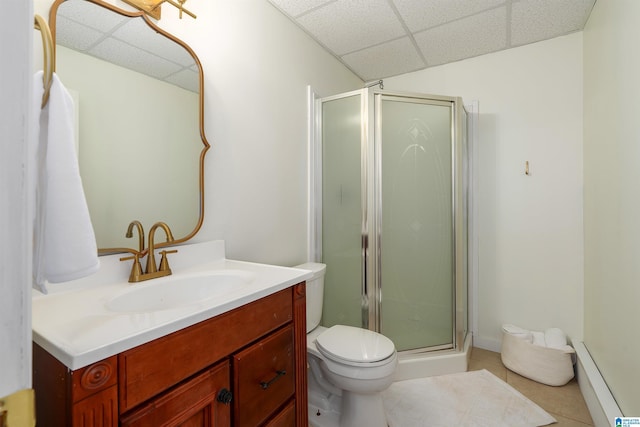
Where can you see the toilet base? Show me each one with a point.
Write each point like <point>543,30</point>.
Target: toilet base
<point>320,417</point>
<point>362,410</point>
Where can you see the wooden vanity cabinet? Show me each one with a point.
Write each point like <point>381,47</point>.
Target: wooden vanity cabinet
<point>193,403</point>
<point>256,354</point>
<point>86,396</point>
<point>263,378</point>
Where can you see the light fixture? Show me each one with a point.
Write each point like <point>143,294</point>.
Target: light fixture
<point>153,7</point>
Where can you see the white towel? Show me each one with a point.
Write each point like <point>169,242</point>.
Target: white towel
<point>555,338</point>
<point>538,339</point>
<point>551,338</point>
<point>64,242</point>
<point>518,332</point>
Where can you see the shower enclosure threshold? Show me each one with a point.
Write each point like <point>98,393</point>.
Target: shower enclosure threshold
<point>430,364</point>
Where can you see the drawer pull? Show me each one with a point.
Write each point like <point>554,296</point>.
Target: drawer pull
<point>265,385</point>
<point>225,396</point>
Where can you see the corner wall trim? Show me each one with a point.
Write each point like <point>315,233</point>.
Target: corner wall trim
<point>487,343</point>
<point>600,401</point>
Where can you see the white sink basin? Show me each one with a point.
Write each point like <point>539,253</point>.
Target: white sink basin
<point>163,294</point>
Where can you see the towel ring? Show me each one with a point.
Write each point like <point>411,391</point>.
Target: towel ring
<point>48,54</point>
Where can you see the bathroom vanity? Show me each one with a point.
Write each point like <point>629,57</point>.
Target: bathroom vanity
<point>235,359</point>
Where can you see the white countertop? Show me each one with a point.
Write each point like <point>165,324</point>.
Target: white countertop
<point>73,323</point>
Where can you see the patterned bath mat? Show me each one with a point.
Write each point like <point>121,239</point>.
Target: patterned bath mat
<point>467,399</point>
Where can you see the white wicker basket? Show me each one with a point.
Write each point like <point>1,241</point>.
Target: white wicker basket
<point>545,365</point>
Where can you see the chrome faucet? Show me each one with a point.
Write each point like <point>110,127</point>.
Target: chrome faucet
<point>151,270</point>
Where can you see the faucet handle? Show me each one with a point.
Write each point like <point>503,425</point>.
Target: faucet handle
<point>136,268</point>
<point>164,262</point>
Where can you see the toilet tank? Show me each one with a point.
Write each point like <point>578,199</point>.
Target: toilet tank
<point>315,293</point>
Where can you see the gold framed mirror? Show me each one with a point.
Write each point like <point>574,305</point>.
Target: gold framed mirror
<point>139,103</point>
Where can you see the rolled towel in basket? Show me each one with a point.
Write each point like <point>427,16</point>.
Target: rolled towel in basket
<point>546,365</point>
<point>539,339</point>
<point>551,338</point>
<point>518,332</point>
<point>555,338</point>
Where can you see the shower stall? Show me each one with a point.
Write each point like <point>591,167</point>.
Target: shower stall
<point>391,189</point>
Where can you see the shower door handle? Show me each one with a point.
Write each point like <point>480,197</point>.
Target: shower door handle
<point>365,251</point>
<point>365,294</point>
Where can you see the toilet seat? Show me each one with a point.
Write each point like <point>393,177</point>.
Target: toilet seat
<point>353,346</point>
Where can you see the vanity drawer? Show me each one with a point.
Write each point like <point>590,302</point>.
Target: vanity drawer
<point>192,403</point>
<point>285,418</point>
<point>152,368</point>
<point>264,378</point>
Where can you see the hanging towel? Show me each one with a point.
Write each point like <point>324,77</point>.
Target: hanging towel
<point>64,242</point>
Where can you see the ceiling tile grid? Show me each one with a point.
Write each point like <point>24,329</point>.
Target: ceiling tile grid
<point>422,14</point>
<point>298,7</point>
<point>136,30</point>
<point>126,42</point>
<point>383,38</point>
<point>534,20</point>
<point>186,78</point>
<point>105,24</point>
<point>76,36</point>
<point>348,26</point>
<point>464,38</point>
<point>125,55</point>
<point>391,58</point>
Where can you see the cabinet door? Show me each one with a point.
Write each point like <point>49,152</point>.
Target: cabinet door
<point>194,403</point>
<point>98,410</point>
<point>264,378</point>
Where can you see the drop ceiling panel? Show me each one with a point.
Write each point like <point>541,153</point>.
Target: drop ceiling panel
<point>125,42</point>
<point>464,38</point>
<point>76,36</point>
<point>136,32</point>
<point>374,37</point>
<point>345,26</point>
<point>534,20</point>
<point>136,59</point>
<point>397,56</point>
<point>298,7</point>
<point>80,11</point>
<point>187,79</point>
<point>422,14</point>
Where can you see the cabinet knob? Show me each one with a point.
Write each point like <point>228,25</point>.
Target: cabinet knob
<point>225,396</point>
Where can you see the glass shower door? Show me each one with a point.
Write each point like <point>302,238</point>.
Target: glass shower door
<point>342,210</point>
<point>393,221</point>
<point>414,142</point>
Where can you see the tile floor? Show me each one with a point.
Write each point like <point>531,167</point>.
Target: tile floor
<point>565,403</point>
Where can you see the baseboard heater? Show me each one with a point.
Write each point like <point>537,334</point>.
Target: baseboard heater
<point>600,401</point>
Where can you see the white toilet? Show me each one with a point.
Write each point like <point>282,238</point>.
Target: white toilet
<point>348,367</point>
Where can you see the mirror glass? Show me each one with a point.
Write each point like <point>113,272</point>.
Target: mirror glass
<point>140,135</point>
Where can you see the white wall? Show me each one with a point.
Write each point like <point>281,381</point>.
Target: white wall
<point>257,66</point>
<point>16,23</point>
<point>530,227</point>
<point>611,176</point>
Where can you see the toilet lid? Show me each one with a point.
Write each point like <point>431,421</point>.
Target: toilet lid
<point>353,344</point>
